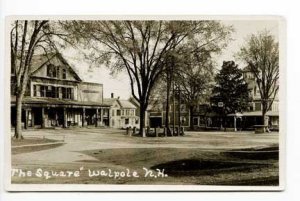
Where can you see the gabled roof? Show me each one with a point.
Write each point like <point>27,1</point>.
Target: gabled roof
<point>123,103</point>
<point>109,101</point>
<point>38,61</point>
<point>127,104</point>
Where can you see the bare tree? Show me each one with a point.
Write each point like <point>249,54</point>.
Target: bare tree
<point>27,38</point>
<point>139,48</point>
<point>261,53</point>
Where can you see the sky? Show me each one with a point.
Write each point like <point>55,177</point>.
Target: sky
<point>119,84</point>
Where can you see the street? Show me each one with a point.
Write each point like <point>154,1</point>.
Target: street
<point>111,148</point>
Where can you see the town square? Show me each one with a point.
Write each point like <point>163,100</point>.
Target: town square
<point>145,102</point>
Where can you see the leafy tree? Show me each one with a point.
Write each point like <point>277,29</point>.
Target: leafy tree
<point>27,38</point>
<point>195,76</point>
<point>231,89</point>
<point>141,48</point>
<point>261,53</point>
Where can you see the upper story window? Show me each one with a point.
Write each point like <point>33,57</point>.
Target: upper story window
<point>45,91</point>
<point>67,93</point>
<point>53,92</point>
<point>34,90</point>
<point>64,74</point>
<point>118,112</point>
<point>52,71</point>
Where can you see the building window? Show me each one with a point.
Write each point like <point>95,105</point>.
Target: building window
<point>43,91</point>
<point>55,92</point>
<point>126,121</point>
<point>195,121</point>
<point>67,93</point>
<point>118,112</point>
<point>34,90</point>
<point>182,108</point>
<point>257,106</point>
<point>70,93</point>
<point>127,112</point>
<point>52,71</point>
<point>48,91</point>
<point>64,92</point>
<point>58,72</point>
<point>64,74</point>
<point>182,120</point>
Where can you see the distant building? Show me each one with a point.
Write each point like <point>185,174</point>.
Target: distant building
<point>57,97</point>
<point>156,114</point>
<point>122,113</point>
<point>254,115</point>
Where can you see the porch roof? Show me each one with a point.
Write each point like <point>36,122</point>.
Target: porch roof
<point>33,101</point>
<point>259,113</point>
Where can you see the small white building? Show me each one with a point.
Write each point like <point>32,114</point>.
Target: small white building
<point>122,113</point>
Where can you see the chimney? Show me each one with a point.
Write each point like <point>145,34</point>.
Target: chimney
<point>112,95</point>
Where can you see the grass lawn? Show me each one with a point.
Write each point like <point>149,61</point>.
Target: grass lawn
<point>31,140</point>
<point>24,145</point>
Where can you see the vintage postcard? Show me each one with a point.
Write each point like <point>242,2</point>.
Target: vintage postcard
<point>145,103</point>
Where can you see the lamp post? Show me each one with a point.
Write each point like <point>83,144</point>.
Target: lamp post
<point>221,105</point>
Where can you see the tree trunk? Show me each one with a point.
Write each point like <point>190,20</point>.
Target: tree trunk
<point>264,112</point>
<point>167,107</point>
<point>142,120</point>
<point>18,129</point>
<point>191,108</point>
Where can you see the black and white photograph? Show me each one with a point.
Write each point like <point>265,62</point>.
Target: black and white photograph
<point>145,103</point>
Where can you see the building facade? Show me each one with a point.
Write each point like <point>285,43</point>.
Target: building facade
<point>57,97</point>
<point>254,115</point>
<point>122,113</point>
<point>178,115</point>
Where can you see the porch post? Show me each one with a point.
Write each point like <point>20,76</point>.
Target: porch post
<point>26,119</point>
<point>108,117</point>
<point>32,118</point>
<point>101,113</point>
<point>234,123</point>
<point>83,117</point>
<point>97,117</point>
<point>65,118</point>
<point>43,118</point>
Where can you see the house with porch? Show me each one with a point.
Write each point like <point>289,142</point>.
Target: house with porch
<point>57,97</point>
<point>254,115</point>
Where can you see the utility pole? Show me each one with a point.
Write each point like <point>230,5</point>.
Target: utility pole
<point>179,108</point>
<point>173,96</point>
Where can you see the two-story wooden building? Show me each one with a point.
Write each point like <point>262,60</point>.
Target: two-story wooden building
<point>122,113</point>
<point>57,97</point>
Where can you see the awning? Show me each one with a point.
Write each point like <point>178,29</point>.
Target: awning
<point>259,113</point>
<point>56,102</point>
<point>238,114</point>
